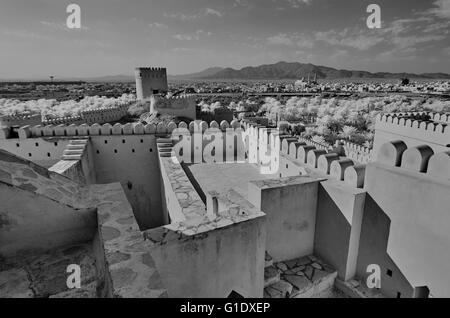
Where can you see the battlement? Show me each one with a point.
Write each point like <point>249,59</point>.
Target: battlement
<point>100,116</point>
<point>63,120</point>
<point>414,129</point>
<point>118,129</point>
<point>317,157</point>
<point>420,159</point>
<point>180,106</point>
<point>20,120</point>
<point>426,121</point>
<point>357,152</point>
<point>151,69</point>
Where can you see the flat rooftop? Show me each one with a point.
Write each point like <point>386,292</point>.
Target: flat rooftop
<point>221,177</point>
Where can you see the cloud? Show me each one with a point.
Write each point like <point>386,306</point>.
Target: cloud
<point>294,39</point>
<point>351,38</point>
<point>280,39</point>
<point>191,36</point>
<point>295,4</point>
<point>442,9</point>
<point>210,11</point>
<point>24,34</point>
<point>187,17</point>
<point>157,25</point>
<point>60,26</point>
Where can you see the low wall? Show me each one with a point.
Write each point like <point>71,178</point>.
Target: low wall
<point>290,205</point>
<point>213,265</point>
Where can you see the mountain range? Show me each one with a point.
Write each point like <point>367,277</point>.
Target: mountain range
<point>281,70</point>
<point>295,70</point>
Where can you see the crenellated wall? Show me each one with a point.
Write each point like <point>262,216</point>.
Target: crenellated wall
<point>408,202</point>
<point>414,129</point>
<point>357,153</point>
<point>20,120</point>
<point>179,106</point>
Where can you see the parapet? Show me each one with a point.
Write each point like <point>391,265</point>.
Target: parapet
<point>117,129</point>
<point>321,158</point>
<point>421,126</point>
<point>20,120</point>
<point>150,71</point>
<point>356,152</point>
<point>420,159</point>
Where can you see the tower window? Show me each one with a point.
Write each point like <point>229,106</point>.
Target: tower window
<point>389,273</point>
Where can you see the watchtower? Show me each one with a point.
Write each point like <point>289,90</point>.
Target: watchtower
<point>150,81</point>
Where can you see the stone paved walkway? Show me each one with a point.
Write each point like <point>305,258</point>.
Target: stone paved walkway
<point>299,278</point>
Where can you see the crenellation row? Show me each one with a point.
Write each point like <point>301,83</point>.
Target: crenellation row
<point>117,129</point>
<point>325,161</point>
<point>420,159</point>
<point>316,156</point>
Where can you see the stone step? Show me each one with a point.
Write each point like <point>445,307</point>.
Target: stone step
<point>166,154</point>
<point>73,152</point>
<point>74,147</point>
<point>281,289</point>
<point>71,157</point>
<point>162,145</point>
<point>164,150</point>
<point>308,277</point>
<point>79,142</point>
<point>271,276</point>
<point>164,140</point>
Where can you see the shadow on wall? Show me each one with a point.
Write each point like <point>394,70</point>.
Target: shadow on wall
<point>332,235</point>
<point>373,250</point>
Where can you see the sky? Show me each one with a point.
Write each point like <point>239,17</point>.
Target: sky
<point>190,35</point>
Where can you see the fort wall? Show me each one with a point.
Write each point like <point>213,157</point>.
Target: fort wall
<point>179,106</point>
<point>414,129</point>
<point>20,120</point>
<point>417,223</point>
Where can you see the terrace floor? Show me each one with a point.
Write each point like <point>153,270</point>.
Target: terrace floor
<point>220,177</point>
<point>45,275</point>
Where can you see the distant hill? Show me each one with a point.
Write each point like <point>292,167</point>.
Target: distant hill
<point>203,74</point>
<point>295,70</point>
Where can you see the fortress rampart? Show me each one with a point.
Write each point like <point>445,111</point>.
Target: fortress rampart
<point>179,106</point>
<point>414,129</point>
<point>356,152</point>
<point>20,120</point>
<point>349,205</point>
